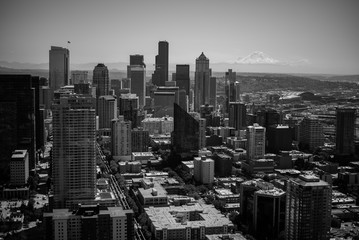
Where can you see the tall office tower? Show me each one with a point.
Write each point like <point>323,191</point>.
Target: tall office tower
<point>160,76</point>
<point>90,222</point>
<point>74,155</point>
<point>310,134</point>
<point>139,140</point>
<point>82,88</point>
<point>237,115</point>
<point>345,131</point>
<point>58,67</point>
<point>269,213</point>
<point>135,60</point>
<point>101,80</point>
<point>202,84</point>
<point>163,104</point>
<point>213,92</point>
<point>182,77</point>
<point>183,99</point>
<point>256,137</point>
<point>20,118</point>
<point>223,165</point>
<point>107,110</point>
<point>79,77</point>
<point>308,208</point>
<point>120,137</point>
<point>203,170</point>
<point>126,83</point>
<point>189,132</point>
<point>268,117</point>
<point>279,138</point>
<point>128,108</point>
<point>19,167</point>
<point>138,83</point>
<point>230,89</point>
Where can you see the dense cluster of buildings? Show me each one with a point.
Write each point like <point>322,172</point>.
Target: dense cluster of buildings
<point>137,123</point>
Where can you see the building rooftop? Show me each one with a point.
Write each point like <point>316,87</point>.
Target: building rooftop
<point>19,154</point>
<point>156,191</point>
<point>275,192</point>
<point>310,181</point>
<point>174,217</point>
<point>236,236</point>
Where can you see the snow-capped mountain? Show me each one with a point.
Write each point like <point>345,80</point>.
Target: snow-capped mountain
<point>257,58</point>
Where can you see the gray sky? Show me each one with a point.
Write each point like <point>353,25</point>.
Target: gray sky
<point>323,35</point>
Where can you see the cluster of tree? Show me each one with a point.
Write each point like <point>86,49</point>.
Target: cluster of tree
<point>33,182</point>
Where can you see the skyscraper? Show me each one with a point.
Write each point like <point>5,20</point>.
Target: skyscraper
<point>101,80</point>
<point>230,89</point>
<point>74,156</point>
<point>138,83</point>
<point>308,208</point>
<point>139,140</point>
<point>345,131</point>
<point>189,132</point>
<point>58,67</point>
<point>160,76</point>
<point>237,115</point>
<point>256,137</point>
<point>202,84</point>
<point>128,108</point>
<point>203,169</point>
<point>79,77</point>
<point>135,60</point>
<point>107,110</point>
<point>213,92</point>
<point>182,77</point>
<point>20,117</point>
<point>310,134</point>
<point>120,137</point>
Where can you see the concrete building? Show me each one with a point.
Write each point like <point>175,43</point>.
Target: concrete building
<point>128,107</point>
<point>163,103</point>
<point>138,83</point>
<point>107,110</point>
<point>213,92</point>
<point>90,222</point>
<point>203,170</point>
<point>154,196</point>
<point>139,140</point>
<point>345,131</point>
<point>79,77</point>
<point>59,61</point>
<point>308,210</point>
<point>19,167</point>
<point>311,134</point>
<point>101,80</point>
<point>187,222</point>
<point>162,125</point>
<point>202,82</point>
<point>279,138</point>
<point>256,137</point>
<point>74,150</point>
<point>121,137</point>
<point>223,165</point>
<point>182,77</point>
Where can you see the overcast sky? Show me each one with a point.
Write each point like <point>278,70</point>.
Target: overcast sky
<point>323,35</point>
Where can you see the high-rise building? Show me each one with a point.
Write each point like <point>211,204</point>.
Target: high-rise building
<point>223,165</point>
<point>160,76</point>
<point>128,108</point>
<point>237,115</point>
<point>82,88</point>
<point>345,131</point>
<point>19,167</point>
<point>59,61</point>
<point>101,80</point>
<point>135,60</point>
<point>138,83</point>
<point>256,137</point>
<point>189,133</point>
<point>120,137</point>
<point>74,155</point>
<point>162,125</point>
<point>203,170</point>
<point>310,134</point>
<point>230,89</point>
<point>268,117</point>
<point>140,140</point>
<point>308,208</point>
<point>163,103</point>
<point>279,138</point>
<point>107,110</point>
<point>182,77</point>
<point>213,92</point>
<point>90,222</point>
<point>79,77</point>
<point>20,118</point>
<point>202,82</point>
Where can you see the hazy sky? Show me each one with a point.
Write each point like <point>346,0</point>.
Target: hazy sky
<point>323,33</point>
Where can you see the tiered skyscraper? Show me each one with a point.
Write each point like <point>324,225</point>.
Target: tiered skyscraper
<point>308,208</point>
<point>160,76</point>
<point>101,80</point>
<point>58,67</point>
<point>74,156</point>
<point>202,84</point>
<point>345,131</point>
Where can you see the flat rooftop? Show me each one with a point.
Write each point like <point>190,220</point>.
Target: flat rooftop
<point>18,154</point>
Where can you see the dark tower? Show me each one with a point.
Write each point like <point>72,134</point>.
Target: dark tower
<point>345,131</point>
<point>182,77</point>
<point>160,76</point>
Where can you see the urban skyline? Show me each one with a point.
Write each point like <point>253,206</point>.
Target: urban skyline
<point>303,37</point>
